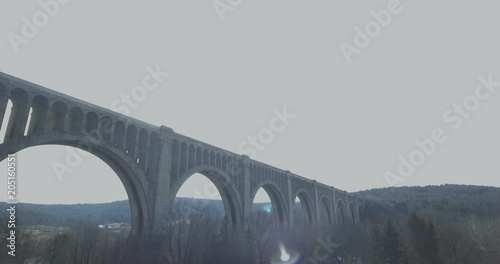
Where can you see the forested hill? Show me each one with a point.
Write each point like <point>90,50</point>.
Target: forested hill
<point>446,200</point>
<point>73,214</point>
<point>69,214</point>
<point>381,204</point>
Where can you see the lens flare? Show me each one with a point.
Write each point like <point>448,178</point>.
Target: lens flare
<point>284,255</point>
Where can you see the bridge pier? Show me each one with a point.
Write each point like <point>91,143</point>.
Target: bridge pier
<point>161,198</point>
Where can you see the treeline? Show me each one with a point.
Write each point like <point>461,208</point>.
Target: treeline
<point>418,225</point>
<point>70,214</point>
<point>433,224</point>
<point>205,237</point>
<point>455,201</point>
<point>421,240</point>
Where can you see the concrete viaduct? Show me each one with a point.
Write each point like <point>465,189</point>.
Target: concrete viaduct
<point>153,162</point>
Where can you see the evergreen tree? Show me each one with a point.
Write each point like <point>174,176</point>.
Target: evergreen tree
<point>422,240</point>
<point>386,245</point>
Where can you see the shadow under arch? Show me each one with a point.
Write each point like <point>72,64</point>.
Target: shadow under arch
<point>326,205</point>
<point>307,205</point>
<point>127,171</point>
<point>277,200</point>
<point>222,181</point>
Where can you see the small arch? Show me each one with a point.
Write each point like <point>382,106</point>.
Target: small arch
<point>199,156</point>
<point>18,114</point>
<point>212,158</point>
<point>192,156</point>
<point>131,138</point>
<point>57,116</point>
<point>206,159</point>
<point>28,122</point>
<point>5,121</point>
<point>106,128</point>
<point>224,162</point>
<point>38,117</point>
<point>119,134</point>
<point>183,160</point>
<point>91,123</point>
<point>142,148</point>
<point>218,161</point>
<point>75,119</point>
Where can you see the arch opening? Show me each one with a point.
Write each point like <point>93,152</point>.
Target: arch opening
<point>5,121</point>
<point>303,212</point>
<point>209,185</point>
<point>326,211</point>
<point>129,175</point>
<point>268,206</point>
<point>106,128</point>
<point>352,213</point>
<point>39,115</point>
<point>268,202</point>
<point>131,138</point>
<point>119,134</point>
<point>341,212</point>
<point>198,199</point>
<point>91,123</point>
<point>57,117</point>
<point>75,119</point>
<point>18,114</point>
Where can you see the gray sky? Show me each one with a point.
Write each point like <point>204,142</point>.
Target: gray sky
<point>353,120</point>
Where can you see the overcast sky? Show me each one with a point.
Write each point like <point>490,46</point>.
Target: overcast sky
<point>353,120</point>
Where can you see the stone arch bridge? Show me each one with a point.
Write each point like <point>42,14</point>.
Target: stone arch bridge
<point>153,162</point>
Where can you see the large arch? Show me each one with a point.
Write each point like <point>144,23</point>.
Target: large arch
<point>341,212</point>
<point>277,200</point>
<point>352,212</point>
<point>222,181</point>
<point>307,206</point>
<point>128,172</point>
<point>326,208</point>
